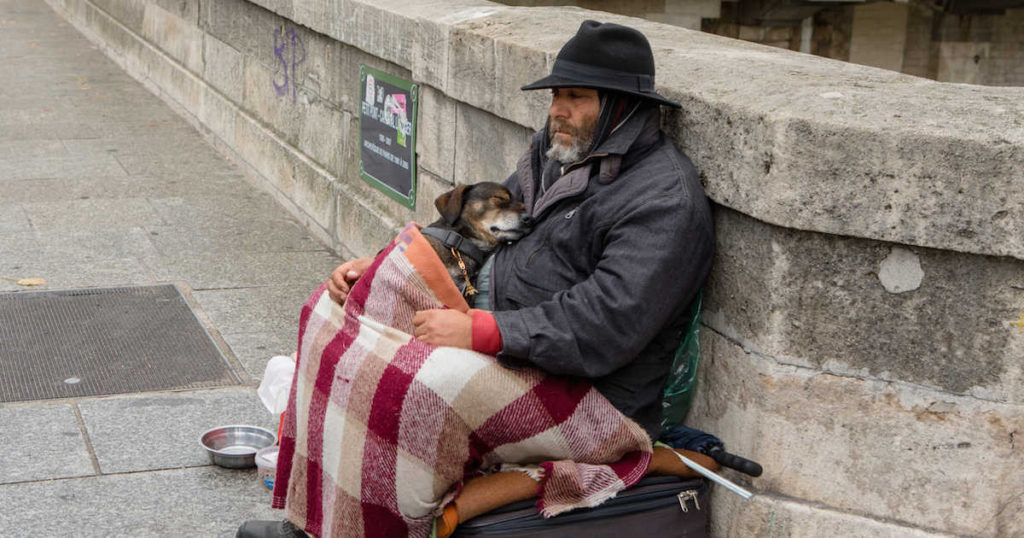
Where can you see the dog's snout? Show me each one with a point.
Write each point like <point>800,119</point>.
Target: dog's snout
<point>526,221</point>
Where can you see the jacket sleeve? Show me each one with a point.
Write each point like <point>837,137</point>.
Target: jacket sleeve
<point>655,259</point>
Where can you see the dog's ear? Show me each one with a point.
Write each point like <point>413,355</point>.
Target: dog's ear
<point>449,204</point>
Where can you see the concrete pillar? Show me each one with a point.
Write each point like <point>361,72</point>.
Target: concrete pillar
<point>879,35</point>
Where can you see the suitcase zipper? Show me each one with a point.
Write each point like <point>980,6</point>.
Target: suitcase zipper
<point>690,494</point>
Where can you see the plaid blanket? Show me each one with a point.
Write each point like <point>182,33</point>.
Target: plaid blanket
<point>382,429</point>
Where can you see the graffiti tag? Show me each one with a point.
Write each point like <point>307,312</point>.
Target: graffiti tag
<point>291,52</point>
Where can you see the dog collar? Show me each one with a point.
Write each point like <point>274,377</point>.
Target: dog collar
<point>452,239</point>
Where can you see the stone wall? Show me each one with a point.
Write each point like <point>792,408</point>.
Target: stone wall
<point>865,316</point>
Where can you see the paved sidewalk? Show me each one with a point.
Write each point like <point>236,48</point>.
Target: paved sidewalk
<point>101,184</point>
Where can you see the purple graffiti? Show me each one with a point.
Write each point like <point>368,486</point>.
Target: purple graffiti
<point>282,47</point>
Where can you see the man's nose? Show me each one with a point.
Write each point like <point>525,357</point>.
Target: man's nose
<point>558,108</point>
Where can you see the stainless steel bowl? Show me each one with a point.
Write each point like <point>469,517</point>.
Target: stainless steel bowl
<point>235,446</point>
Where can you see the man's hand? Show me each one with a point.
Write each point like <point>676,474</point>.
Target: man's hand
<point>444,328</point>
<point>345,276</point>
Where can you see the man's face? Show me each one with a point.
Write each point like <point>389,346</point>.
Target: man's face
<point>572,119</point>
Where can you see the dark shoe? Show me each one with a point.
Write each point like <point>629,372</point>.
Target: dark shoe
<point>269,529</point>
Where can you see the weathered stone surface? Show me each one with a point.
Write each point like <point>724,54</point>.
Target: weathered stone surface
<point>495,146</point>
<point>223,68</point>
<point>815,300</point>
<point>203,501</point>
<point>180,38</point>
<point>217,114</point>
<point>32,452</point>
<point>366,230</point>
<point>436,133</point>
<point>428,189</point>
<point>733,517</point>
<point>313,193</point>
<point>890,450</point>
<point>186,10</point>
<point>265,154</point>
<point>128,12</point>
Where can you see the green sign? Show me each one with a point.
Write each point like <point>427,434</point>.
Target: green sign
<point>387,134</point>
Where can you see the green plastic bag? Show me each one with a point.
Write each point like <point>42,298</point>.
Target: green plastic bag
<point>682,378</point>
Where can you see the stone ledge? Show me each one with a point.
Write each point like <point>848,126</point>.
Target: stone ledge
<point>885,450</point>
<point>794,140</point>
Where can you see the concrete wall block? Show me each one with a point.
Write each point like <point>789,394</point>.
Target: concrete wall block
<point>516,66</point>
<point>181,86</point>
<point>283,8</point>
<point>472,68</point>
<point>224,68</point>
<point>435,133</point>
<point>261,99</point>
<point>362,228</point>
<point>128,12</point>
<point>317,15</point>
<point>314,193</point>
<point>733,517</point>
<point>187,10</point>
<point>247,28</point>
<point>217,113</point>
<point>180,39</point>
<point>487,147</point>
<point>820,437</point>
<point>430,53</point>
<point>322,135</point>
<point>113,34</point>
<point>265,154</point>
<point>428,188</point>
<point>383,28</point>
<point>822,301</point>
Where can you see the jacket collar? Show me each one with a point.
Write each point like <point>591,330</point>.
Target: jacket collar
<point>640,131</point>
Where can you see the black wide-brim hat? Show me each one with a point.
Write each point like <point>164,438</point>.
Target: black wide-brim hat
<point>605,56</point>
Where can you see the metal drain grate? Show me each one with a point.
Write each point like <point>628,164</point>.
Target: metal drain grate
<point>63,344</point>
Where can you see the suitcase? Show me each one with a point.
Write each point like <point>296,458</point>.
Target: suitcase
<point>663,506</point>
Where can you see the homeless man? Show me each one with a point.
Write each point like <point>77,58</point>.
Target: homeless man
<point>621,244</point>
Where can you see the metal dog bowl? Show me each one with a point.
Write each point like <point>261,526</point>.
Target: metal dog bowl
<point>235,447</point>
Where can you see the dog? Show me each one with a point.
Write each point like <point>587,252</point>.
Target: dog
<point>475,219</point>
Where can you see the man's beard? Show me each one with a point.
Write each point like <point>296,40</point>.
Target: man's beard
<point>577,148</point>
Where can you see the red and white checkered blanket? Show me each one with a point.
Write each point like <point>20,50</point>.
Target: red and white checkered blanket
<point>381,429</point>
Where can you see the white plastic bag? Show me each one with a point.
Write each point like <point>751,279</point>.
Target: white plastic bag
<point>277,383</point>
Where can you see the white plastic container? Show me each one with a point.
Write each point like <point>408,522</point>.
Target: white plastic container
<point>266,464</point>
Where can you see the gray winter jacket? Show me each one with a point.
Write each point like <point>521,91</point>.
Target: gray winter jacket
<point>600,288</point>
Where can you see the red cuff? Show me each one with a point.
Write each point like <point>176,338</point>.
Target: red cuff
<point>486,336</point>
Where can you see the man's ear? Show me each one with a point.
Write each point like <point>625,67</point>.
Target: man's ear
<point>449,204</point>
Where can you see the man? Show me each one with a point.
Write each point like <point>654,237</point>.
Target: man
<point>621,243</point>
<point>622,236</point>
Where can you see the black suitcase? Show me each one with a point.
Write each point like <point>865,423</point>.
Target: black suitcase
<point>663,506</point>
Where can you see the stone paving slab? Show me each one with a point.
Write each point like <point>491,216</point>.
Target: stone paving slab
<point>13,219</point>
<point>239,209</point>
<point>97,187</point>
<point>161,431</point>
<point>56,247</point>
<point>59,166</point>
<point>92,214</point>
<point>10,149</point>
<point>258,236</point>
<point>205,270</point>
<point>68,275</point>
<point>272,309</point>
<point>40,443</point>
<point>204,501</point>
<point>253,350</point>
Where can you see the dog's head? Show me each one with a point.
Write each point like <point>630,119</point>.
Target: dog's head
<point>484,213</point>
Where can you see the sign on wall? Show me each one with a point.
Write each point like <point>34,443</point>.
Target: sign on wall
<point>387,134</point>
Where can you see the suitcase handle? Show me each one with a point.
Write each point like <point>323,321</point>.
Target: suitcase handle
<point>733,461</point>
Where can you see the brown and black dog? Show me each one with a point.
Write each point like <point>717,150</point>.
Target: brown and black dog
<point>474,220</point>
